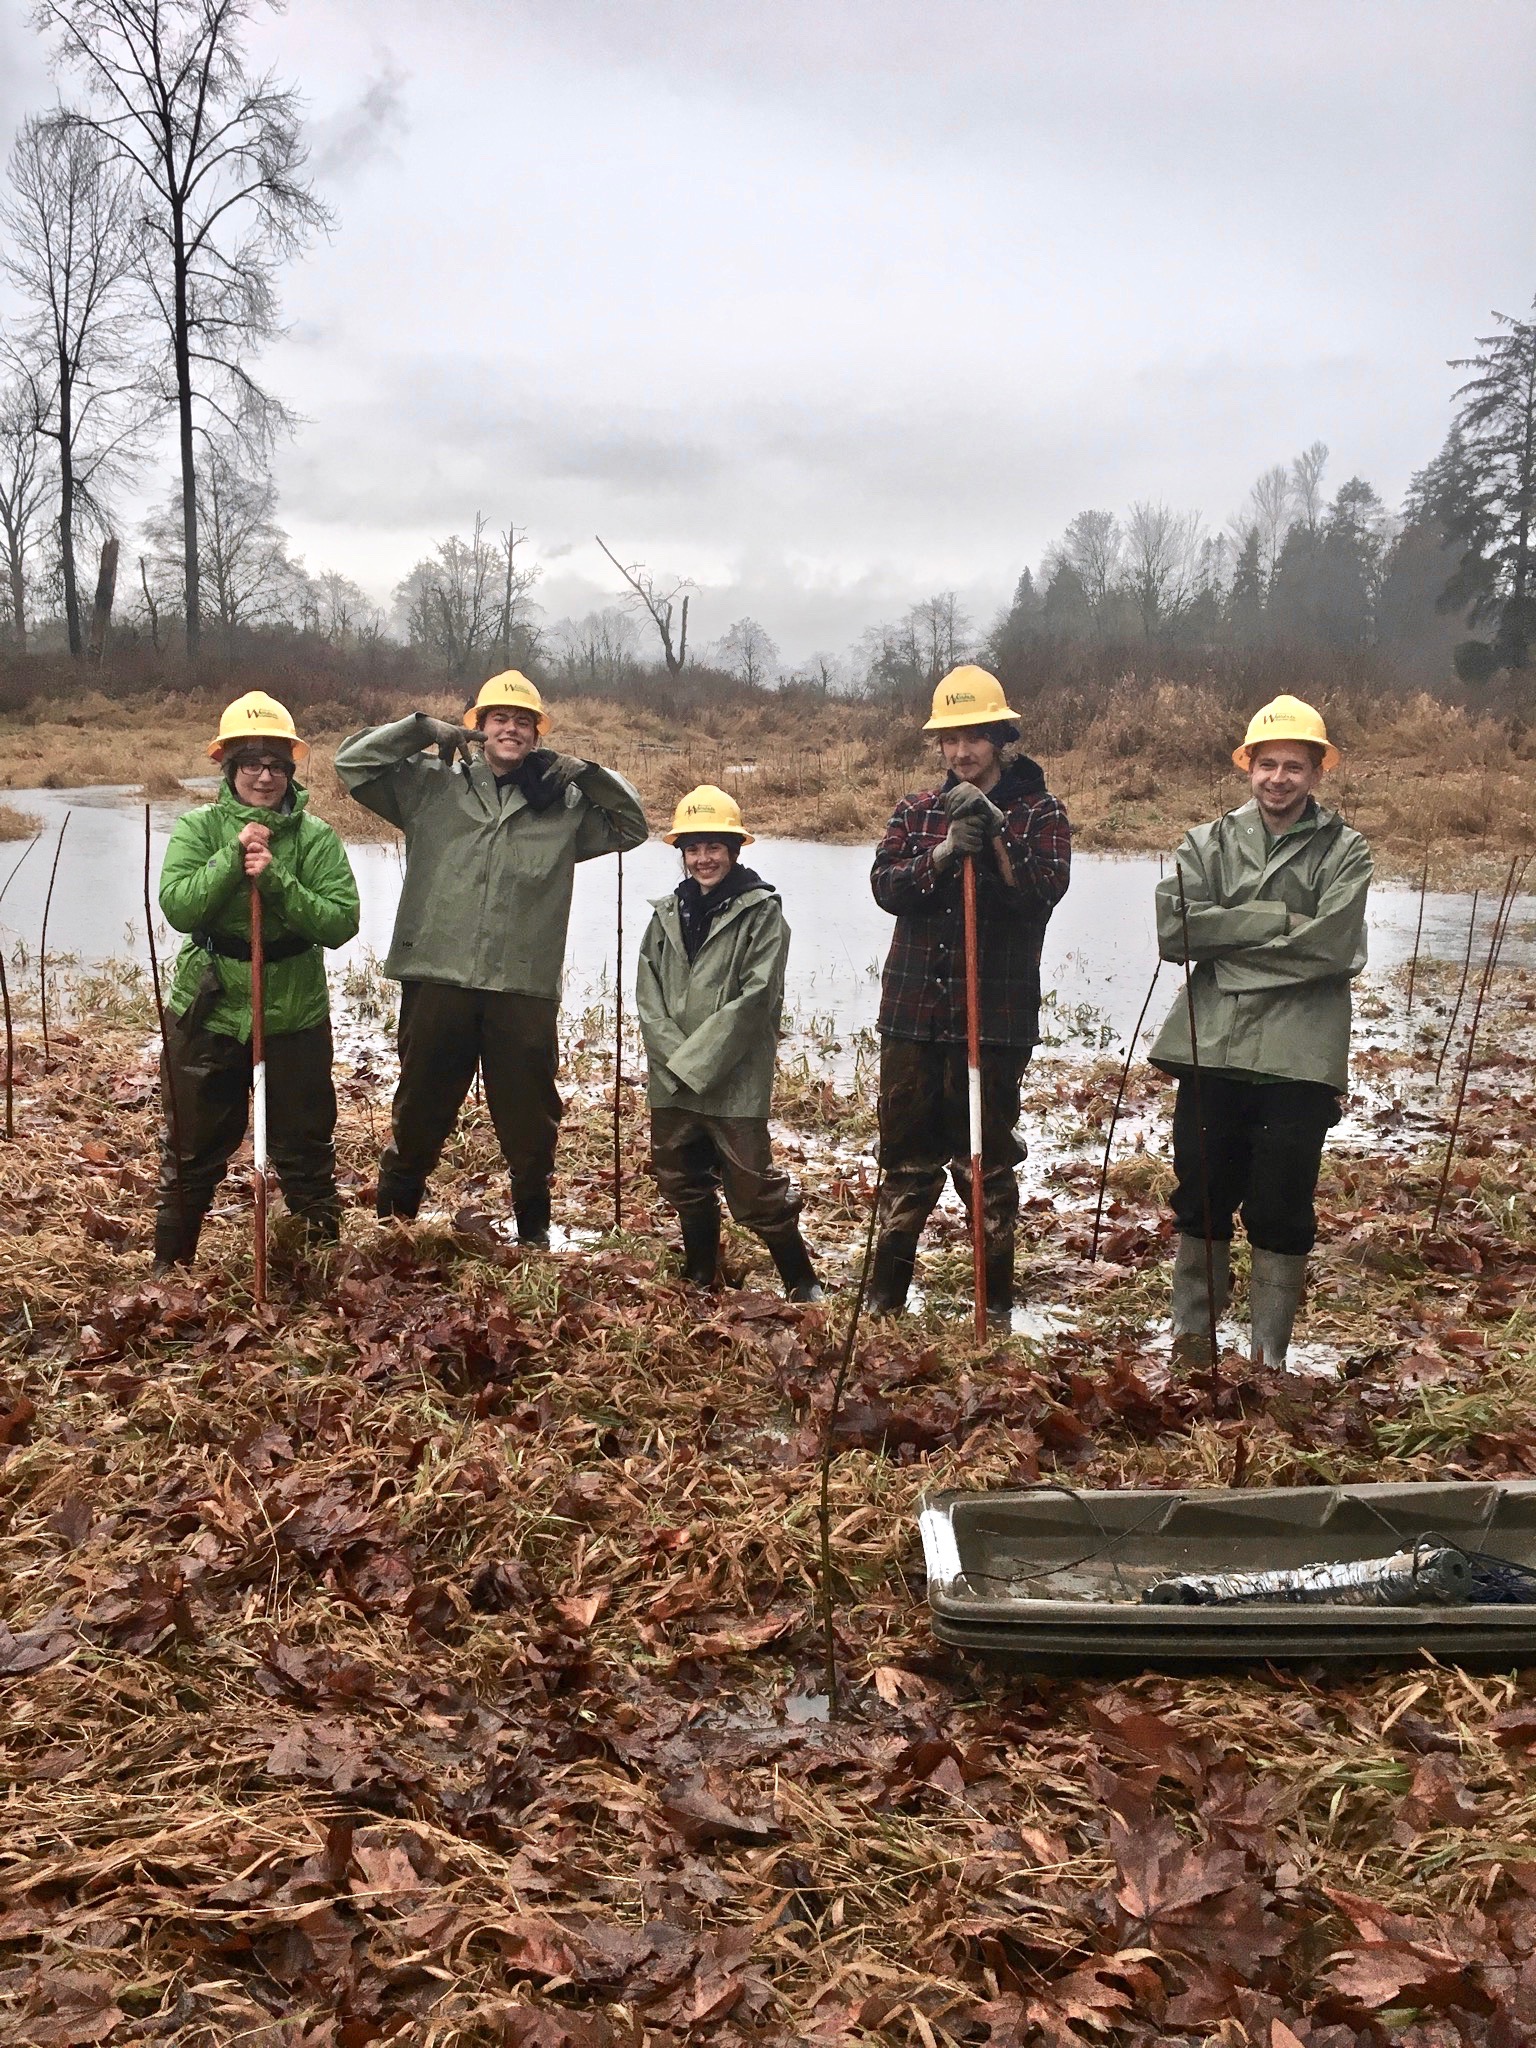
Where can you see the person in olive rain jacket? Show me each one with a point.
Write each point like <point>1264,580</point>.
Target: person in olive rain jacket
<point>1273,897</point>
<point>709,991</point>
<point>258,830</point>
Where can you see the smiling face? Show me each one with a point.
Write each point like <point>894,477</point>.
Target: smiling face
<point>262,772</point>
<point>971,755</point>
<point>510,737</point>
<point>709,861</point>
<point>1282,775</point>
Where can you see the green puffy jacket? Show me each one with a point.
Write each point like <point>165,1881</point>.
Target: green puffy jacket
<point>1276,935</point>
<point>711,1029</point>
<point>308,892</point>
<point>487,895</point>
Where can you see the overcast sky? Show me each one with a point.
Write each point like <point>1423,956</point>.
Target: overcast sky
<point>830,304</point>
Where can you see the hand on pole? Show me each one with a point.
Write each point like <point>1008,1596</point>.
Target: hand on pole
<point>255,843</point>
<point>965,800</point>
<point>965,836</point>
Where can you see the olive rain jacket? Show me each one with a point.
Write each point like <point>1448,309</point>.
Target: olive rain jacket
<point>487,895</point>
<point>711,1029</point>
<point>307,893</point>
<point>1271,1003</point>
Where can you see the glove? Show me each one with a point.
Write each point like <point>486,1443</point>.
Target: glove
<point>965,835</point>
<point>452,741</point>
<point>560,770</point>
<point>965,800</point>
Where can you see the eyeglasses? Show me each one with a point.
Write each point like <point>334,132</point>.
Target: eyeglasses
<point>264,764</point>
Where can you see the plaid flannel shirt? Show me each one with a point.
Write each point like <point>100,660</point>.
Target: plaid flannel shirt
<point>922,993</point>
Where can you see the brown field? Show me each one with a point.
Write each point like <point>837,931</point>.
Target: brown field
<point>1151,762</point>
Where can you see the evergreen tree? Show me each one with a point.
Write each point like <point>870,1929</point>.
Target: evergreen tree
<point>1245,599</point>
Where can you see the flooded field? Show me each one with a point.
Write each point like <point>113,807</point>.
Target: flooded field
<point>1099,952</point>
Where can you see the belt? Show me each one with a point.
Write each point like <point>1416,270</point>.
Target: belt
<point>240,949</point>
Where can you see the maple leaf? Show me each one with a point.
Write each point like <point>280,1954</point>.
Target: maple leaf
<point>1189,1901</point>
<point>699,1816</point>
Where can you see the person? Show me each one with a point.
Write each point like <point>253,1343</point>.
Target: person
<point>491,845</point>
<point>709,990</point>
<point>1273,895</point>
<point>998,813</point>
<point>258,829</point>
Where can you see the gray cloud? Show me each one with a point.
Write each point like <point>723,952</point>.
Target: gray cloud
<point>365,132</point>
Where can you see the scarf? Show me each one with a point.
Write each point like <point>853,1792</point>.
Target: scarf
<point>696,911</point>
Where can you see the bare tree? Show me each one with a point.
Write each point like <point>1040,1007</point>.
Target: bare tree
<point>342,613</point>
<point>1162,563</point>
<point>1091,546</point>
<point>940,631</point>
<point>749,653</point>
<point>518,638</point>
<point>245,571</point>
<point>1270,513</point>
<point>659,605</point>
<point>74,247</point>
<point>219,159</point>
<point>1307,484</point>
<point>598,651</point>
<point>464,606</point>
<point>25,485</point>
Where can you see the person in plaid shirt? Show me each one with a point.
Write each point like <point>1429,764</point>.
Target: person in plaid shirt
<point>1000,811</point>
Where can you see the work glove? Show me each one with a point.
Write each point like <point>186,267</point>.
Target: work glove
<point>560,770</point>
<point>965,800</point>
<point>452,741</point>
<point>965,835</point>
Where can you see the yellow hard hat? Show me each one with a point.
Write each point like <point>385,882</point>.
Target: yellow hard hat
<point>968,695</point>
<point>256,716</point>
<point>710,812</point>
<point>510,691</point>
<point>1286,718</point>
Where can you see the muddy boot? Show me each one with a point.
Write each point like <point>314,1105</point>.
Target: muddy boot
<point>1191,1302</point>
<point>532,1213</point>
<point>1276,1284</point>
<point>701,1247</point>
<point>319,1227</point>
<point>891,1275</point>
<point>794,1264</point>
<point>175,1246</point>
<point>1000,1285</point>
<point>397,1196</point>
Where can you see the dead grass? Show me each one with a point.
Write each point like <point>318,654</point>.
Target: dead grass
<point>1151,765</point>
<point>415,1659</point>
<point>16,824</point>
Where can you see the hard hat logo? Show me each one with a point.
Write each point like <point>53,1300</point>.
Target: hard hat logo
<point>968,695</point>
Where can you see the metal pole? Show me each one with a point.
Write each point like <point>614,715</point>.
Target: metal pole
<point>973,1091</point>
<point>258,1095</point>
<point>1413,964</point>
<point>618,1059</point>
<point>42,945</point>
<point>1125,1075</point>
<point>1205,1175</point>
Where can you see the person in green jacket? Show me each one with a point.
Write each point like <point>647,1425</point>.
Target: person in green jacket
<point>257,830</point>
<point>709,991</point>
<point>1273,898</point>
<point>494,827</point>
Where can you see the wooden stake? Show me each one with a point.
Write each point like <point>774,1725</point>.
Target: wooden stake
<point>1413,965</point>
<point>10,1048</point>
<point>1205,1175</point>
<point>1125,1075</point>
<point>1495,947</point>
<point>167,1065</point>
<point>1456,1009</point>
<point>973,1091</point>
<point>824,1510</point>
<point>42,970</point>
<point>618,1060</point>
<point>258,1096</point>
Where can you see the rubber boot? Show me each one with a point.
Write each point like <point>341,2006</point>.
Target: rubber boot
<point>320,1226</point>
<point>1191,1305</point>
<point>1276,1284</point>
<point>891,1274</point>
<point>701,1247</point>
<point>532,1213</point>
<point>794,1264</point>
<point>999,1283</point>
<point>175,1246</point>
<point>397,1196</point>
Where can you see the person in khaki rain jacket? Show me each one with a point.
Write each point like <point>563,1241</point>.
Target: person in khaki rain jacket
<point>1274,896</point>
<point>257,830</point>
<point>494,827</point>
<point>709,990</point>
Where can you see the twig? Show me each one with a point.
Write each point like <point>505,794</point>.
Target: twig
<point>10,1047</point>
<point>1495,946</point>
<point>1205,1176</point>
<point>828,1442</point>
<point>1125,1075</point>
<point>1456,1010</point>
<point>42,968</point>
<point>1413,965</point>
<point>19,859</point>
<point>167,1064</point>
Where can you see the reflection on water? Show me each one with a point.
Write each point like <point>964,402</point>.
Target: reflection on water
<point>1100,948</point>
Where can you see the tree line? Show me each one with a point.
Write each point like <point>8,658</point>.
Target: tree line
<point>145,226</point>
